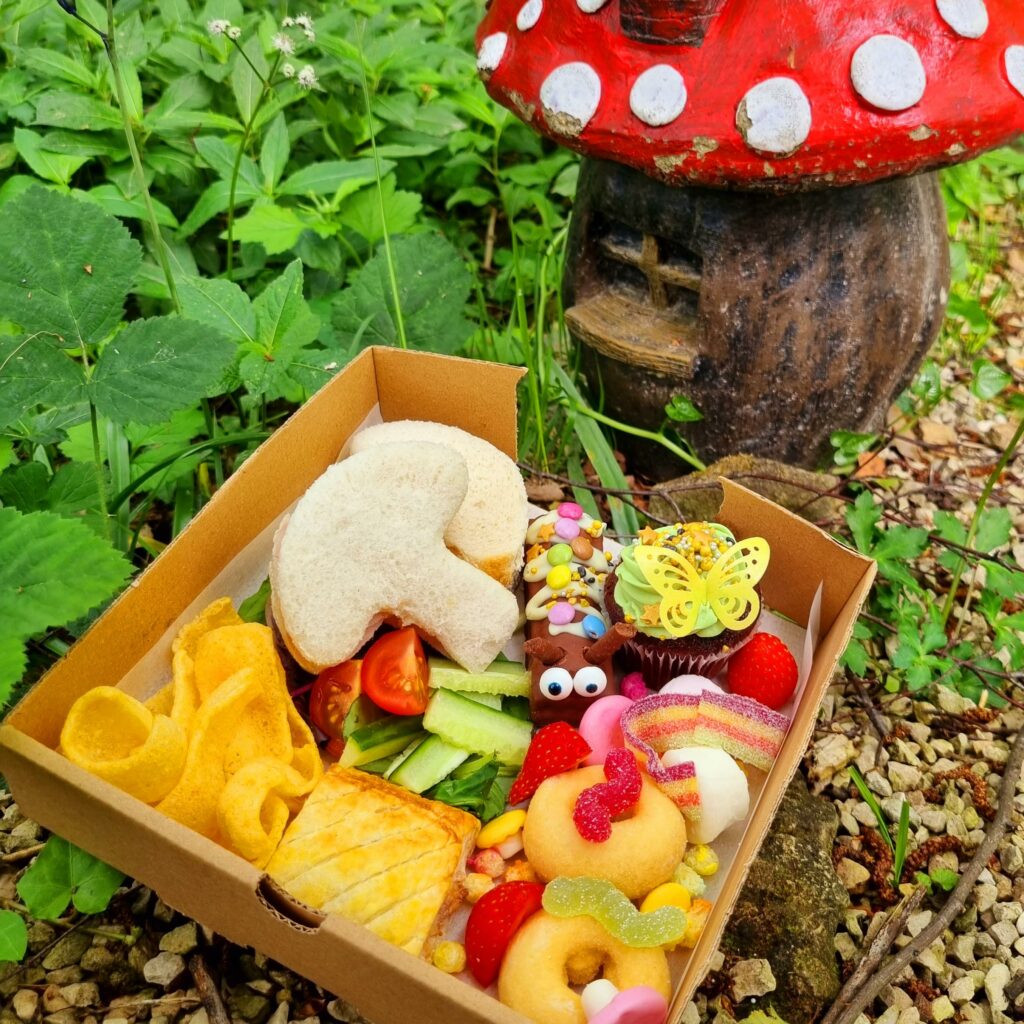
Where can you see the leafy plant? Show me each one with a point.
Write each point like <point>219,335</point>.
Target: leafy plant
<point>897,846</point>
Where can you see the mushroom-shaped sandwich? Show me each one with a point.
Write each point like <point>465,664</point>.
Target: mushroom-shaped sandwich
<point>775,94</point>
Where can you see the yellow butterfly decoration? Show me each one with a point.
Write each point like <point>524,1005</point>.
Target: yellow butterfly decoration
<point>728,588</point>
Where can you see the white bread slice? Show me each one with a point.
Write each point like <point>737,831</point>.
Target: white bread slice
<point>489,528</point>
<point>365,543</point>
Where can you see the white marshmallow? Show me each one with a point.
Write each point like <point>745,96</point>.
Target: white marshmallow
<point>724,795</point>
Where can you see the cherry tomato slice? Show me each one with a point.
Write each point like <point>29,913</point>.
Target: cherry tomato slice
<point>333,693</point>
<point>395,673</point>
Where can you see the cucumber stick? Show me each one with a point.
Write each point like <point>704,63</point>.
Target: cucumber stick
<point>432,761</point>
<point>507,678</point>
<point>381,739</point>
<point>476,728</point>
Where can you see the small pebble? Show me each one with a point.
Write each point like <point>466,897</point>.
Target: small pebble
<point>996,980</point>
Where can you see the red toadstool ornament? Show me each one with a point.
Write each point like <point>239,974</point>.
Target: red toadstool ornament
<point>777,97</point>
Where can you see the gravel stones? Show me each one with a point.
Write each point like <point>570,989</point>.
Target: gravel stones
<point>25,1003</point>
<point>181,940</point>
<point>854,876</point>
<point>996,980</point>
<point>67,951</point>
<point>751,979</point>
<point>165,970</point>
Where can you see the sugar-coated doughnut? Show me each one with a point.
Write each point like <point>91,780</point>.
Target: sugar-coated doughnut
<point>644,848</point>
<point>548,953</point>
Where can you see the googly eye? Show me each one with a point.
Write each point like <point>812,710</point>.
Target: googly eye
<point>590,681</point>
<point>555,683</point>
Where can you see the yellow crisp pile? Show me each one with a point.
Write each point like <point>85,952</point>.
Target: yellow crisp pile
<point>220,749</point>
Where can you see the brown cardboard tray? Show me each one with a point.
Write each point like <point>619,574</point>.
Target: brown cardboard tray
<point>206,882</point>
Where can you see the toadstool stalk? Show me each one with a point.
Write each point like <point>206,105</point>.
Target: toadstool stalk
<point>682,22</point>
<point>783,261</point>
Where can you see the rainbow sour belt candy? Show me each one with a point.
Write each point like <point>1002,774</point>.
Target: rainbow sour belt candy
<point>747,730</point>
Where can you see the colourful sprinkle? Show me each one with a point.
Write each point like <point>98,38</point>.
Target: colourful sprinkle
<point>593,626</point>
<point>559,577</point>
<point>559,554</point>
<point>562,614</point>
<point>570,510</point>
<point>567,529</point>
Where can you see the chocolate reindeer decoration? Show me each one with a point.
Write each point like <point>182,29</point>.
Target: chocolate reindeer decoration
<point>569,642</point>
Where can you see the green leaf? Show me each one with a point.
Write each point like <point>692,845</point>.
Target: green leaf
<point>110,198</point>
<point>221,156</point>
<point>944,878</point>
<point>77,112</point>
<point>274,151</point>
<point>989,379</point>
<point>862,517</point>
<point>13,937</point>
<point>24,487</point>
<point>52,571</point>
<point>53,64</point>
<point>55,167</point>
<point>245,83</point>
<point>284,326</point>
<point>362,214</point>
<point>254,607</point>
<point>330,176</point>
<point>855,658</point>
<point>34,371</point>
<point>155,367</point>
<point>902,837</point>
<point>219,303</point>
<point>994,529</point>
<point>869,798</point>
<point>65,266</point>
<point>901,542</point>
<point>481,793</point>
<point>682,410</point>
<point>215,200</point>
<point>13,662</point>
<point>276,228</point>
<point>848,445</point>
<point>63,874</point>
<point>433,286</point>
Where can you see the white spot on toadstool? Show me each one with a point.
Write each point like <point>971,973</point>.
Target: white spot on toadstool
<point>658,95</point>
<point>774,116</point>
<point>590,6</point>
<point>1014,59</point>
<point>888,73</point>
<point>569,96</point>
<point>967,18</point>
<point>529,14</point>
<point>492,49</point>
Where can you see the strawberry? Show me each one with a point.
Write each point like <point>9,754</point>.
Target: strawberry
<point>554,749</point>
<point>765,670</point>
<point>493,921</point>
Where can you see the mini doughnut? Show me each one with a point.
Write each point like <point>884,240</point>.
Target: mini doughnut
<point>643,850</point>
<point>535,974</point>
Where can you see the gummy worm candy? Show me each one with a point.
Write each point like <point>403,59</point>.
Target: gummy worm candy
<point>599,899</point>
<point>597,805</point>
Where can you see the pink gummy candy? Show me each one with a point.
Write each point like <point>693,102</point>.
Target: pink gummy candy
<point>600,726</point>
<point>639,1005</point>
<point>597,805</point>
<point>634,687</point>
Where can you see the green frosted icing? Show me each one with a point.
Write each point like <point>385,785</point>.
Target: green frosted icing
<point>633,592</point>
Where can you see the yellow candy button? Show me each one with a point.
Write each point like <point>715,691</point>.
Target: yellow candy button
<point>559,577</point>
<point>670,894</point>
<point>503,827</point>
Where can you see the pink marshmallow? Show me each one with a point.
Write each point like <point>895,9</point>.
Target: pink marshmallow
<point>639,1005</point>
<point>600,726</point>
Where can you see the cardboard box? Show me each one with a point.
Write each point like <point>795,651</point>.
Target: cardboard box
<point>225,551</point>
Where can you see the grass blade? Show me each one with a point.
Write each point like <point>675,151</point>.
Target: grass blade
<point>902,836</point>
<point>869,798</point>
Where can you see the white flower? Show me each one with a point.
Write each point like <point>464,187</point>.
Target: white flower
<point>234,32</point>
<point>307,77</point>
<point>283,44</point>
<point>287,23</point>
<point>310,35</point>
<point>304,21</point>
<point>288,70</point>
<point>218,26</point>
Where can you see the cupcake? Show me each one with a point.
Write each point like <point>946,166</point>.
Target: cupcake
<point>691,591</point>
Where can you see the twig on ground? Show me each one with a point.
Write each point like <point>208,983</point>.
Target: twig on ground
<point>865,984</point>
<point>208,991</point>
<point>18,855</point>
<point>877,949</point>
<point>869,706</point>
